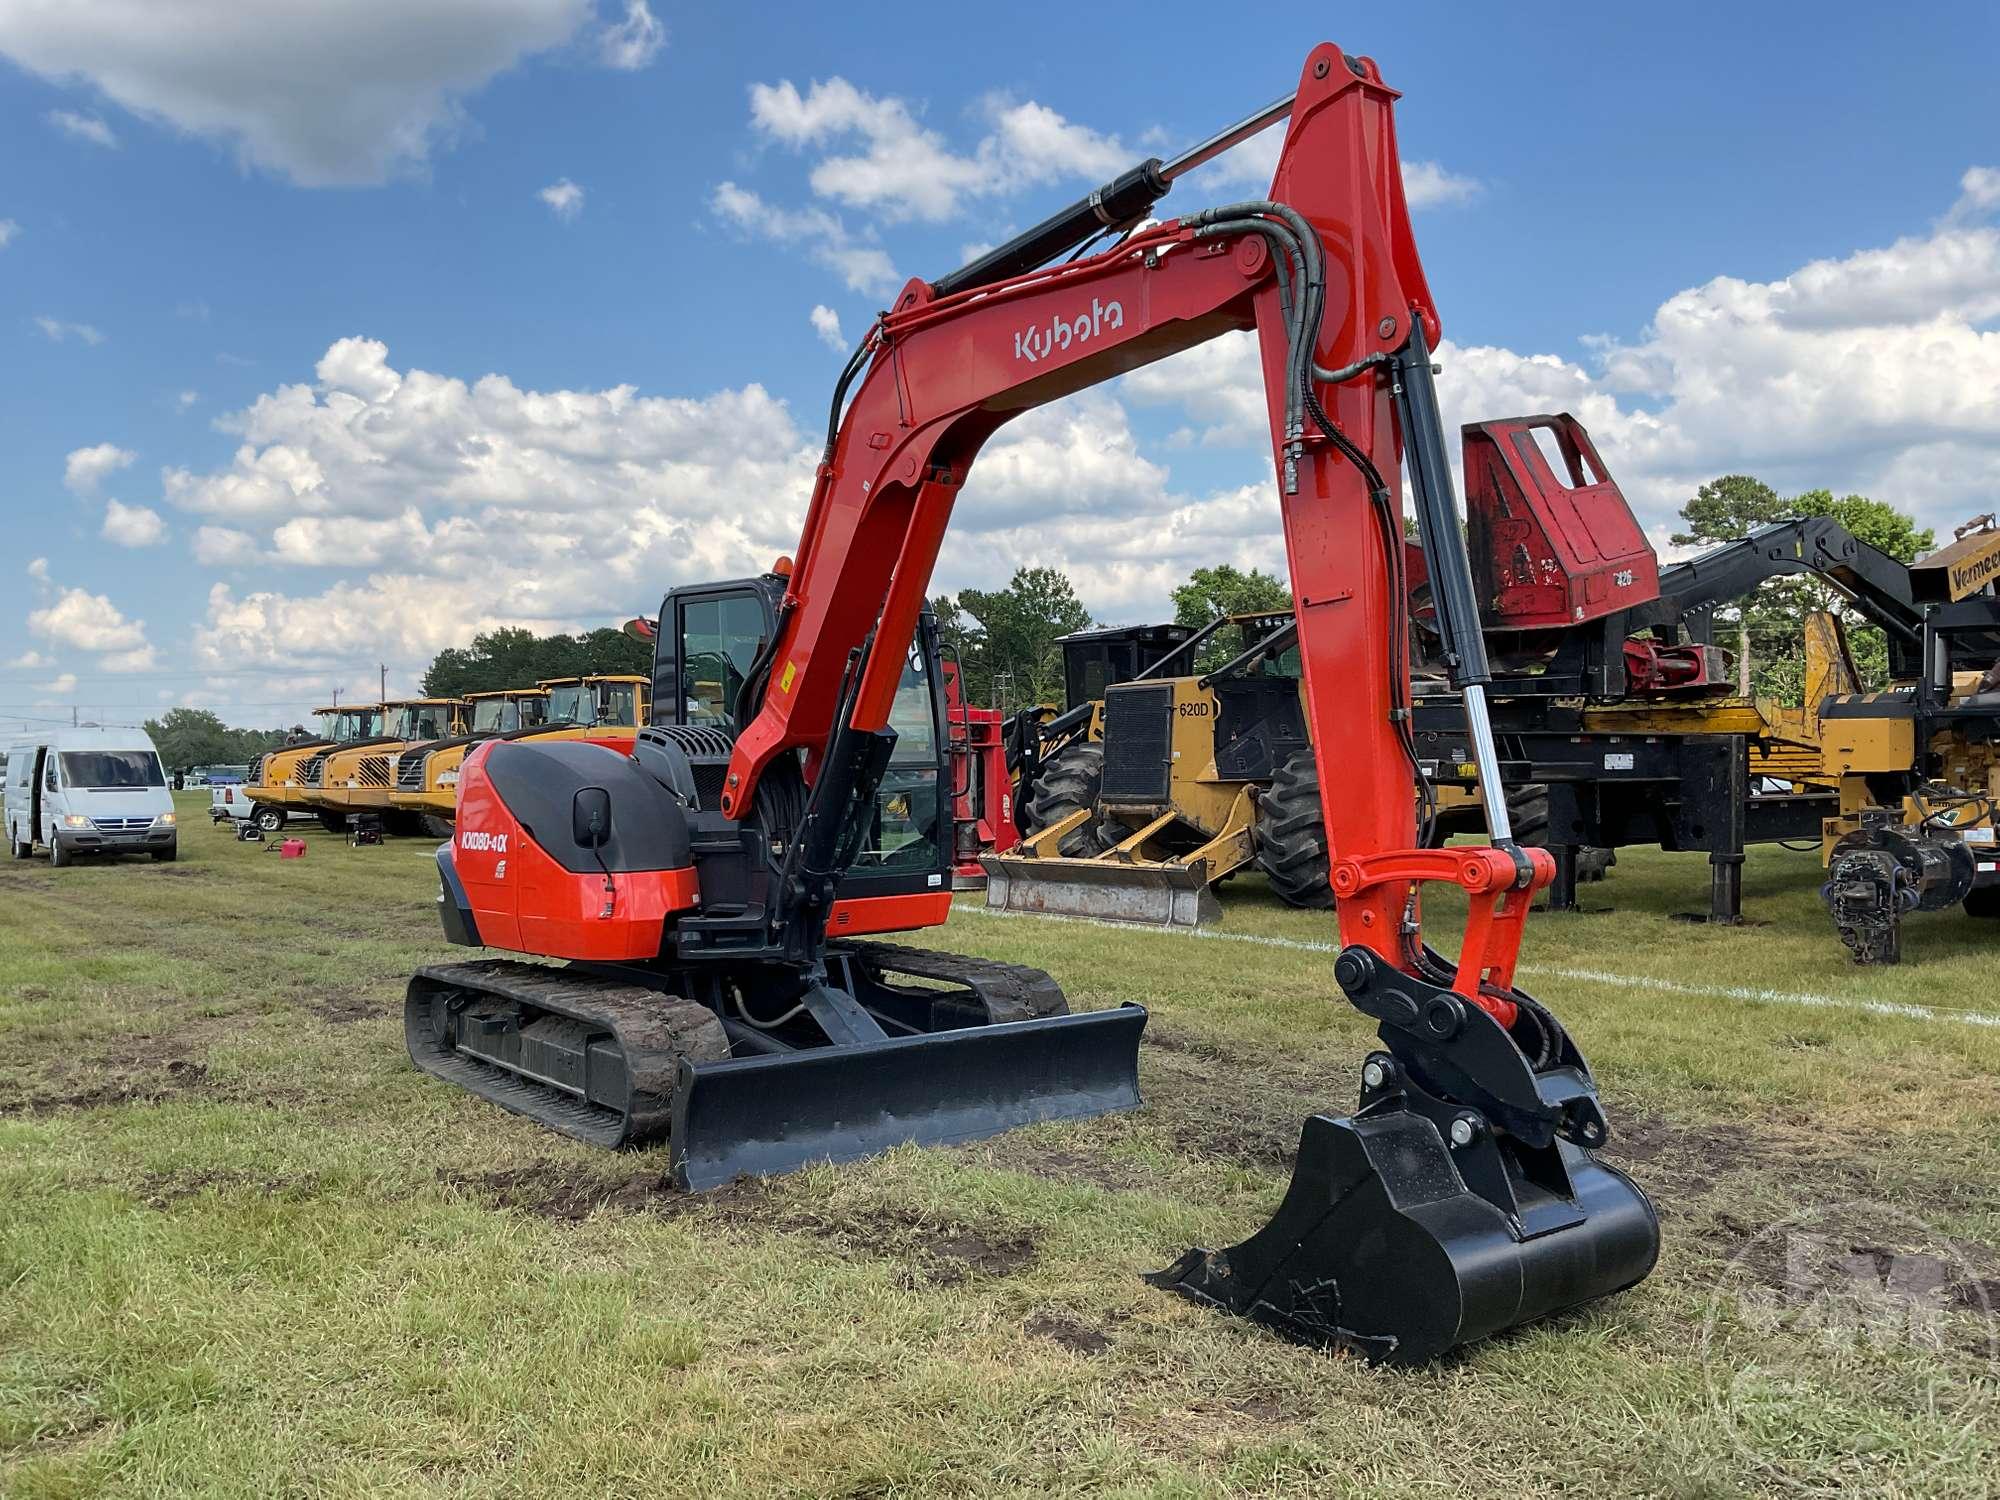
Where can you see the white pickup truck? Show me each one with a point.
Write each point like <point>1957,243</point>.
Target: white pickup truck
<point>231,802</point>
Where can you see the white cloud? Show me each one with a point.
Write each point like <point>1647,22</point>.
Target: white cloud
<point>66,683</point>
<point>55,330</point>
<point>323,94</point>
<point>31,661</point>
<point>38,568</point>
<point>83,128</point>
<point>826,323</point>
<point>224,547</point>
<point>8,230</point>
<point>1428,185</point>
<point>632,43</point>
<point>1978,194</point>
<point>186,399</point>
<point>133,525</point>
<point>564,198</point>
<point>87,621</point>
<point>140,659</point>
<point>865,267</point>
<point>905,170</point>
<point>85,468</point>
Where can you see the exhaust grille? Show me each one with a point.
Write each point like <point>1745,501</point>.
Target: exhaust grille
<point>1138,742</point>
<point>310,771</point>
<point>410,772</point>
<point>373,771</point>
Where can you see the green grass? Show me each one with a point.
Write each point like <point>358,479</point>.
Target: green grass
<point>246,1250</point>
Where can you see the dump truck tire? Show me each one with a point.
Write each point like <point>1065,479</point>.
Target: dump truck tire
<point>1069,784</point>
<point>1528,811</point>
<point>1289,835</point>
<point>436,827</point>
<point>333,822</point>
<point>1983,901</point>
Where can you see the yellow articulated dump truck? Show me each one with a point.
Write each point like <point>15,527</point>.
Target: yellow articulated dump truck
<point>606,710</point>
<point>276,785</point>
<point>357,777</point>
<point>426,789</point>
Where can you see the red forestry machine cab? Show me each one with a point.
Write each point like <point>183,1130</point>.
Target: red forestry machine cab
<point>693,886</point>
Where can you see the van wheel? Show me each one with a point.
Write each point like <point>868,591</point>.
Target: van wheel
<point>20,850</point>
<point>59,856</point>
<point>270,819</point>
<point>167,855</point>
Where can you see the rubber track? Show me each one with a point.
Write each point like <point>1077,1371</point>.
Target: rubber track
<point>654,1031</point>
<point>1010,992</point>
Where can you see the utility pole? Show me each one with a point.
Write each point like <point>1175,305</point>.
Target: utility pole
<point>385,683</point>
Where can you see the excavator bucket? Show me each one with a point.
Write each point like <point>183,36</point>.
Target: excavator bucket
<point>1459,1200</point>
<point>1155,895</point>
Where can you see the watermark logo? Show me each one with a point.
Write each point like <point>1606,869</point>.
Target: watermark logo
<point>1037,343</point>
<point>1815,1321</point>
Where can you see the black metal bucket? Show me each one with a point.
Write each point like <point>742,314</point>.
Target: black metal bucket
<point>1379,1246</point>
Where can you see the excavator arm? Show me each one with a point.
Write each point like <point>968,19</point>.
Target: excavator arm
<point>1471,1149</point>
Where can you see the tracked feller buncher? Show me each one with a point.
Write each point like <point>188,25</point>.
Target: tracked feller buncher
<point>695,887</point>
<point>359,777</point>
<point>1176,783</point>
<point>276,784</point>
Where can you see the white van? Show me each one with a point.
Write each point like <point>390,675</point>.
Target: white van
<point>88,791</point>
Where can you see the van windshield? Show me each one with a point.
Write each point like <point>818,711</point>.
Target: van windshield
<point>111,769</point>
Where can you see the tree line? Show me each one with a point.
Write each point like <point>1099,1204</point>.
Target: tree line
<point>1006,640</point>
<point>190,737</point>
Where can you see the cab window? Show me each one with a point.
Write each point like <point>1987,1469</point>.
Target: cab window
<point>618,703</point>
<point>909,816</point>
<point>720,639</point>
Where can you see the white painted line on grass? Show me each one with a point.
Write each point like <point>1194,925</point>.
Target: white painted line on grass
<point>1757,996</point>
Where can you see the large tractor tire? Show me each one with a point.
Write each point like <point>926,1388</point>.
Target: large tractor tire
<point>1528,811</point>
<point>1983,901</point>
<point>1289,835</point>
<point>1069,783</point>
<point>333,822</point>
<point>435,827</point>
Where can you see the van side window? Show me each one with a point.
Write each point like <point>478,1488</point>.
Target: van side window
<point>49,777</point>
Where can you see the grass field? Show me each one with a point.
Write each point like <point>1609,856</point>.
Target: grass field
<point>246,1250</point>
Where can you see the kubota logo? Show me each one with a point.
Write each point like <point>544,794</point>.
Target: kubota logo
<point>1037,344</point>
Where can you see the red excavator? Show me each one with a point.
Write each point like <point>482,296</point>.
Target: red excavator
<point>692,885</point>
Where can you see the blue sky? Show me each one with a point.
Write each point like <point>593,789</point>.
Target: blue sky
<point>1724,236</point>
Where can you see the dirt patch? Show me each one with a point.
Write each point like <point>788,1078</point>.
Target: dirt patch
<point>1054,1164</point>
<point>933,1253</point>
<point>344,1010</point>
<point>179,1076</point>
<point>165,1189</point>
<point>182,872</point>
<point>1078,1338</point>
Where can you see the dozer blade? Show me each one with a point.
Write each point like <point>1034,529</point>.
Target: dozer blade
<point>778,1113</point>
<point>1158,895</point>
<point>1380,1247</point>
